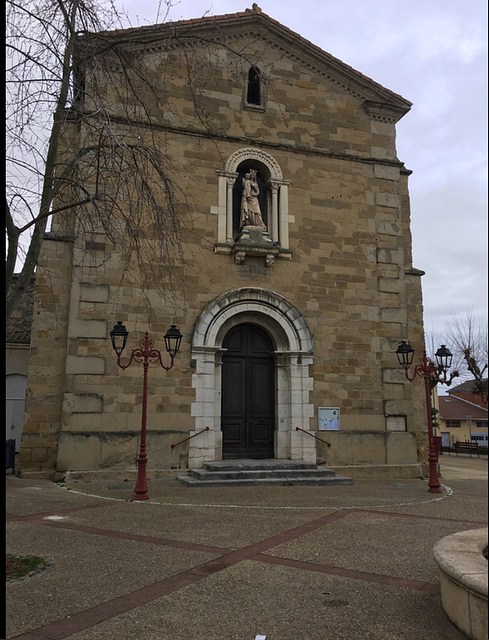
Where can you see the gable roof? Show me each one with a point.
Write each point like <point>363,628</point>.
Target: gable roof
<point>465,391</point>
<point>455,408</point>
<point>380,102</point>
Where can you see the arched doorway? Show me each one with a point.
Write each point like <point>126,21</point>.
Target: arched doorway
<point>293,352</point>
<point>248,394</point>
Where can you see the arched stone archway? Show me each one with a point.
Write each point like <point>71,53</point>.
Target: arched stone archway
<point>250,153</point>
<point>293,354</point>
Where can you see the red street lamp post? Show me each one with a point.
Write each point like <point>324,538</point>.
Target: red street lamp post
<point>145,354</point>
<point>432,374</point>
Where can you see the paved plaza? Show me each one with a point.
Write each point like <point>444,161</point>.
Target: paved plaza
<point>289,563</point>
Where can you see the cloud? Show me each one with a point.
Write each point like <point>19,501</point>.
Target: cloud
<point>434,53</point>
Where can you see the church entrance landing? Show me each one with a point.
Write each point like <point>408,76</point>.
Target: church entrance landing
<point>240,473</point>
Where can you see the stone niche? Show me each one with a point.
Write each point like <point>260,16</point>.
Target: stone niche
<point>253,208</point>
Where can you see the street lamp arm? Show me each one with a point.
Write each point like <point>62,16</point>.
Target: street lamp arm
<point>146,353</point>
<point>155,356</point>
<point>448,381</point>
<point>418,371</point>
<point>136,356</point>
<point>426,368</point>
<point>440,377</point>
<point>435,374</point>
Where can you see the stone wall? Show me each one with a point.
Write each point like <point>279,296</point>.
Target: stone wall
<point>46,373</point>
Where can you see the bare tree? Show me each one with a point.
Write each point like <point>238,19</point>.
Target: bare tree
<point>40,50</point>
<point>468,341</point>
<point>83,110</point>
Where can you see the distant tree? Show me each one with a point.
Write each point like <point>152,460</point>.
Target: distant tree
<point>468,339</point>
<point>108,181</point>
<point>71,69</point>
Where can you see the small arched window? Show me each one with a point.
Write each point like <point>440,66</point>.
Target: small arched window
<point>253,95</point>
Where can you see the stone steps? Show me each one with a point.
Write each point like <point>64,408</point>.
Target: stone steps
<point>235,473</point>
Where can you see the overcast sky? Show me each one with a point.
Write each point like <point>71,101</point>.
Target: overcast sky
<point>433,53</point>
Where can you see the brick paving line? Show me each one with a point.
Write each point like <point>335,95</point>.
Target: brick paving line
<point>104,611</point>
<point>135,537</point>
<point>332,570</point>
<point>396,514</point>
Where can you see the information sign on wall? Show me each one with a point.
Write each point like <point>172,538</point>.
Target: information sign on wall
<point>328,418</point>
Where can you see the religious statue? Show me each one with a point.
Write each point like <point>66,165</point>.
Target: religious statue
<point>250,207</point>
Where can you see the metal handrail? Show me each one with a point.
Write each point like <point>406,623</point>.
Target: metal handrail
<point>313,436</point>
<point>189,438</point>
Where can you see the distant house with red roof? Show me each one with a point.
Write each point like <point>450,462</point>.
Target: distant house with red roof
<point>463,416</point>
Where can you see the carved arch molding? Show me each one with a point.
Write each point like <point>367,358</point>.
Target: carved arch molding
<point>293,354</point>
<point>249,153</point>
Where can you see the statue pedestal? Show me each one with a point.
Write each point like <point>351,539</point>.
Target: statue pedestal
<point>254,241</point>
<point>254,235</point>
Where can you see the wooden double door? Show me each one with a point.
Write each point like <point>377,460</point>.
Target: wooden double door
<point>248,394</point>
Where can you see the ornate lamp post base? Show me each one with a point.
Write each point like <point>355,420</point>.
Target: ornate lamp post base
<point>434,482</point>
<point>141,488</point>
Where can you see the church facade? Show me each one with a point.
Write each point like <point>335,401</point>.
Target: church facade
<point>295,289</point>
